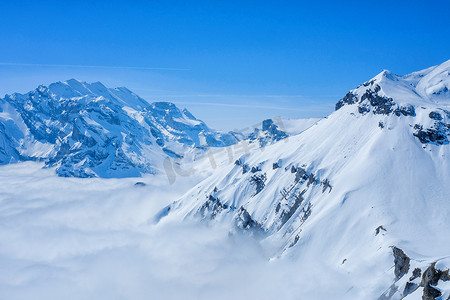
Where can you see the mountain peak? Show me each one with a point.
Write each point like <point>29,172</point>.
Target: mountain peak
<point>429,86</point>
<point>385,75</point>
<point>76,88</point>
<point>74,81</point>
<point>187,113</point>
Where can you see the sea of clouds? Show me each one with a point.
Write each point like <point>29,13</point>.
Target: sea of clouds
<point>71,238</point>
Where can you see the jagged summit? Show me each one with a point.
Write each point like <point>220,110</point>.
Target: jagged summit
<point>387,74</point>
<point>83,91</point>
<point>269,133</point>
<point>86,129</point>
<point>429,86</point>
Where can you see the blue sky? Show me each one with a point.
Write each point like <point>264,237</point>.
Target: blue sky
<point>232,63</point>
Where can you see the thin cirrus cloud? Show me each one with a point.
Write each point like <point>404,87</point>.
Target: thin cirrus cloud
<point>253,106</point>
<point>91,66</point>
<point>230,95</point>
<point>178,94</point>
<point>286,102</point>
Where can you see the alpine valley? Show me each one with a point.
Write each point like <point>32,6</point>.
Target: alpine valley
<point>355,205</point>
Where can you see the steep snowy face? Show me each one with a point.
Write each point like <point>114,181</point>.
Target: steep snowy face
<point>169,123</point>
<point>434,83</point>
<point>88,130</point>
<point>389,93</point>
<point>363,189</point>
<point>10,134</point>
<point>8,152</point>
<point>427,91</point>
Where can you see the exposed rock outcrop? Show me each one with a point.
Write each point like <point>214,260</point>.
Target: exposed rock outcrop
<point>401,262</point>
<point>430,279</point>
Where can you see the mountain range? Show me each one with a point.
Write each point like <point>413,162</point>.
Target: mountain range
<point>362,194</point>
<point>89,130</point>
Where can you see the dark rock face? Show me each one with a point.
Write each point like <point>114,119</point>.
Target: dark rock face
<point>429,281</point>
<point>430,278</point>
<point>378,230</point>
<point>349,98</point>
<point>140,183</point>
<point>442,91</point>
<point>311,179</point>
<point>255,169</point>
<point>436,135</point>
<point>435,116</point>
<point>244,221</point>
<point>401,263</point>
<point>409,288</point>
<point>275,133</point>
<point>405,111</point>
<point>259,181</point>
<point>376,103</point>
<point>211,208</point>
<point>268,125</point>
<point>363,109</point>
<point>293,169</point>
<point>293,203</point>
<point>295,241</point>
<point>245,167</point>
<point>287,214</point>
<point>430,293</point>
<point>171,153</point>
<point>381,105</point>
<point>369,98</point>
<point>300,174</point>
<point>306,212</point>
<point>416,274</point>
<point>326,185</point>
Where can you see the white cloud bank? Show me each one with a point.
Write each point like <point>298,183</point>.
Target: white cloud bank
<point>68,238</point>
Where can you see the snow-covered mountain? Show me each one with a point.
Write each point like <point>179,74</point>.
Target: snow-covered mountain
<point>86,130</point>
<point>363,193</point>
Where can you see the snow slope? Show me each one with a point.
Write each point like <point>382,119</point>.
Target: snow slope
<point>296,126</point>
<point>363,193</point>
